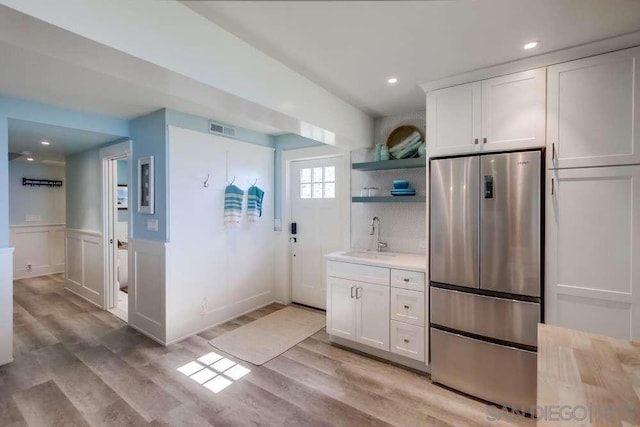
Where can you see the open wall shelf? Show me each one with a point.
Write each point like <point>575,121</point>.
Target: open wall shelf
<point>390,199</point>
<point>390,164</point>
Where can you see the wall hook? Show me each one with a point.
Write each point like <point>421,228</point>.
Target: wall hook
<point>232,181</point>
<point>254,182</point>
<point>206,181</point>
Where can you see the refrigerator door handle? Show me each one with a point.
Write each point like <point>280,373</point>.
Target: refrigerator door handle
<point>488,187</point>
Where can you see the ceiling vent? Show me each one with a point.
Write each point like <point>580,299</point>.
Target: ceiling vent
<point>219,129</point>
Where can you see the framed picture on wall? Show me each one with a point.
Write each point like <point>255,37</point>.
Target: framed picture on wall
<point>145,185</point>
<point>123,197</point>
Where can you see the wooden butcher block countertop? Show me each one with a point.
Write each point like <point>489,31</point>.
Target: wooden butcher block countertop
<point>587,379</point>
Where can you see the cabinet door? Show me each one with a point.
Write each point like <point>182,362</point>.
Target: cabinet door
<point>341,308</point>
<point>513,111</point>
<point>593,112</point>
<point>372,311</point>
<point>453,120</point>
<point>593,250</point>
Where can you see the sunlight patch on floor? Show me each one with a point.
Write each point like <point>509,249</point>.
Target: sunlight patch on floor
<point>214,371</point>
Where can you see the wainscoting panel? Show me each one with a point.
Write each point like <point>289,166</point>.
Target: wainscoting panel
<point>147,278</point>
<point>6,305</point>
<point>39,249</point>
<point>85,264</point>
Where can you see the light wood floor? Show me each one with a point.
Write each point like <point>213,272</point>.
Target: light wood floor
<point>78,365</point>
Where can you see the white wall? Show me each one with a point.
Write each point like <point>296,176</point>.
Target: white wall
<point>84,259</point>
<point>215,273</point>
<point>39,250</point>
<point>46,202</point>
<point>6,306</point>
<point>36,220</point>
<point>403,225</point>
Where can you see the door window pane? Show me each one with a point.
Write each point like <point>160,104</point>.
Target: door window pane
<point>305,191</point>
<point>317,190</point>
<point>329,190</point>
<point>305,175</point>
<point>317,174</point>
<point>329,174</point>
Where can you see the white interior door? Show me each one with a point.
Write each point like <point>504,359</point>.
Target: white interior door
<point>317,209</point>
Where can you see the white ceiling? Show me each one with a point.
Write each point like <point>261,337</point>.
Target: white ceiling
<point>28,136</point>
<point>351,48</point>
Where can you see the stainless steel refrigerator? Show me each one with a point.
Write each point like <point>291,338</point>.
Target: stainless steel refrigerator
<point>486,274</point>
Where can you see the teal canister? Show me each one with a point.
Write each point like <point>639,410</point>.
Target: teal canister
<point>384,153</point>
<point>376,152</point>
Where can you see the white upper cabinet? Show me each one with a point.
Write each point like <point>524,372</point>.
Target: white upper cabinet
<point>513,111</point>
<point>453,120</point>
<point>593,113</point>
<point>503,113</point>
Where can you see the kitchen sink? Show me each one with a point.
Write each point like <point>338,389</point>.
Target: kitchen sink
<point>368,255</point>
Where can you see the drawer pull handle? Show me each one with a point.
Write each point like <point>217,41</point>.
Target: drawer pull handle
<point>406,341</point>
<point>406,279</point>
<point>406,306</point>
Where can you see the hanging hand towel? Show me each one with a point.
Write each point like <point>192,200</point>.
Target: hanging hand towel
<point>232,205</point>
<point>254,203</point>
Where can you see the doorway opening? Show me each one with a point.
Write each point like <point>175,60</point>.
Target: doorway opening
<point>117,218</point>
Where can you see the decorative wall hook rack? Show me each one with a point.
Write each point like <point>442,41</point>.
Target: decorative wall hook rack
<point>206,181</point>
<point>41,182</point>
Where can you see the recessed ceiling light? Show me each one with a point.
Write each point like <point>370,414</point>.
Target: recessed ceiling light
<point>29,159</point>
<point>530,45</point>
<point>45,143</point>
<point>392,80</point>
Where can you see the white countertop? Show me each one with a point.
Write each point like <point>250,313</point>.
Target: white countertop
<point>381,259</point>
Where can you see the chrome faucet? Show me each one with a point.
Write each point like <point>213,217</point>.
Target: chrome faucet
<point>379,245</point>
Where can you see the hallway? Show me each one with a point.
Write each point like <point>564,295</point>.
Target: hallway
<point>78,365</point>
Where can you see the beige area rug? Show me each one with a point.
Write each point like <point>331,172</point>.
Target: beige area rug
<point>263,339</point>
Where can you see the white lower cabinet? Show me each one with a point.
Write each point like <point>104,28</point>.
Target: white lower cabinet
<point>407,340</point>
<point>341,308</point>
<point>372,318</point>
<point>407,306</point>
<point>385,312</point>
<point>359,312</point>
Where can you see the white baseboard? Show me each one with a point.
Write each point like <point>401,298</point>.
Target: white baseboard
<point>147,334</point>
<point>68,289</point>
<point>189,335</point>
<point>6,362</point>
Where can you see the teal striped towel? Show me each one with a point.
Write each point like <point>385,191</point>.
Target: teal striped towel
<point>232,205</point>
<point>408,147</point>
<point>254,203</point>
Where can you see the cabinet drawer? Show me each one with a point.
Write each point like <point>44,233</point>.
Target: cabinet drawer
<point>358,272</point>
<point>407,306</point>
<point>503,319</point>
<point>407,340</point>
<point>406,279</point>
